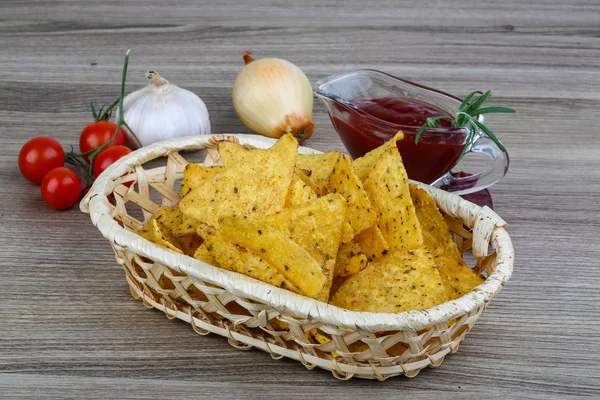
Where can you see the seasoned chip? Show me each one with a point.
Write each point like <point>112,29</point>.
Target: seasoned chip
<point>457,277</point>
<point>344,181</point>
<point>347,232</point>
<point>258,184</point>
<point>400,281</point>
<point>189,243</point>
<point>364,165</point>
<point>158,229</point>
<point>147,231</point>
<point>372,243</point>
<point>317,227</point>
<point>317,168</point>
<point>387,186</point>
<point>291,260</point>
<point>232,153</point>
<point>236,258</point>
<point>195,174</point>
<point>203,254</point>
<point>436,234</point>
<point>164,238</point>
<point>168,217</point>
<point>187,226</point>
<point>299,192</point>
<point>350,260</point>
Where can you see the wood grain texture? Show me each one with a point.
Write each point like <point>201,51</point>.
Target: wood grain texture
<point>68,326</point>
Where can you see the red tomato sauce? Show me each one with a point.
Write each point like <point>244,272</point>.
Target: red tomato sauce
<point>434,155</point>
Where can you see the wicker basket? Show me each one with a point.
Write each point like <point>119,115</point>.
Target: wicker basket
<point>249,313</point>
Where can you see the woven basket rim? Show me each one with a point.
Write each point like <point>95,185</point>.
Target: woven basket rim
<point>97,205</point>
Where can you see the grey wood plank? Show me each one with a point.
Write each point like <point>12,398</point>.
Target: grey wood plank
<point>68,326</point>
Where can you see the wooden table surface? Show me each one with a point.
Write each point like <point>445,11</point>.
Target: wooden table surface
<point>68,325</point>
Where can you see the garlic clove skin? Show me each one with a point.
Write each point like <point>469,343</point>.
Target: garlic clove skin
<point>273,97</point>
<point>162,111</point>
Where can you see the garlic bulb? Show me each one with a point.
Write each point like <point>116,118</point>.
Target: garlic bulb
<point>162,111</point>
<point>273,97</point>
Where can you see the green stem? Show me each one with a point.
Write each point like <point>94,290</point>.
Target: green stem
<point>120,119</point>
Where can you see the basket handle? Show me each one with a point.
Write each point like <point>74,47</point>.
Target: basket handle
<point>84,204</point>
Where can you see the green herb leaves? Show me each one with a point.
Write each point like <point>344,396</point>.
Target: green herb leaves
<point>466,116</point>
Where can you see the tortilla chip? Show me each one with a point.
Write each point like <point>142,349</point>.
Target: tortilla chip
<point>400,281</point>
<point>232,153</point>
<point>344,181</point>
<point>164,238</point>
<point>275,247</point>
<point>350,260</point>
<point>364,165</point>
<point>203,254</point>
<point>298,192</point>
<point>347,232</point>
<point>436,234</point>
<point>239,259</point>
<point>387,186</point>
<point>258,184</point>
<point>372,243</point>
<point>187,226</point>
<point>189,244</point>
<point>457,277</point>
<point>317,227</point>
<point>159,228</point>
<point>317,168</point>
<point>147,231</point>
<point>195,174</point>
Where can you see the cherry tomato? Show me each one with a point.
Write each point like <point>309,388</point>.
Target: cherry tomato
<point>108,156</point>
<point>61,188</point>
<point>96,134</point>
<point>38,156</point>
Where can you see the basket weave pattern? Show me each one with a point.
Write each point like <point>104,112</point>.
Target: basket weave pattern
<point>252,314</point>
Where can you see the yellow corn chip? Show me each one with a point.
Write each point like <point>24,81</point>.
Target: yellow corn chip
<point>372,243</point>
<point>258,184</point>
<point>457,277</point>
<point>347,232</point>
<point>299,192</point>
<point>400,281</point>
<point>350,260</point>
<point>364,165</point>
<point>159,228</point>
<point>189,244</point>
<point>387,186</point>
<point>195,174</point>
<point>436,234</point>
<point>291,260</point>
<point>344,181</point>
<point>239,259</point>
<point>164,238</point>
<point>232,153</point>
<point>169,217</point>
<point>187,226</point>
<point>203,254</point>
<point>317,227</point>
<point>317,168</point>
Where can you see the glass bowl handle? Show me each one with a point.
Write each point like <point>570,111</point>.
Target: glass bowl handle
<point>497,168</point>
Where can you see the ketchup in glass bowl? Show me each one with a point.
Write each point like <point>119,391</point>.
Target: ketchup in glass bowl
<point>367,108</point>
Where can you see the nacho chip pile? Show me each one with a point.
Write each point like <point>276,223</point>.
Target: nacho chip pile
<point>352,233</point>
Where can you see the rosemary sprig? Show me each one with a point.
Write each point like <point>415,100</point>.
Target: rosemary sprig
<point>102,114</point>
<point>466,116</point>
<point>120,119</point>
